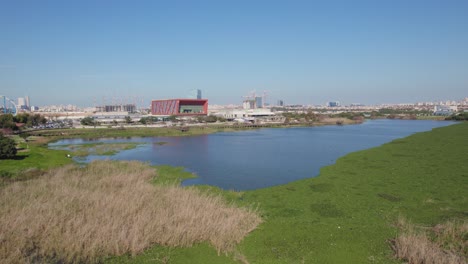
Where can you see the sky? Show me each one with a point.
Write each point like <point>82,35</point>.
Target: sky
<point>303,52</point>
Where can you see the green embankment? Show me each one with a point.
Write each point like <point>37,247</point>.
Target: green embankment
<point>347,214</point>
<point>31,161</point>
<point>129,132</point>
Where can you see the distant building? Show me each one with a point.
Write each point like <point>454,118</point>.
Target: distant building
<point>131,108</point>
<point>248,104</point>
<point>258,102</point>
<point>23,103</point>
<point>442,110</point>
<point>26,99</point>
<point>333,104</point>
<point>195,94</point>
<point>179,107</point>
<point>232,114</point>
<point>280,103</point>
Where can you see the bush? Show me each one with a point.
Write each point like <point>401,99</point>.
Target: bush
<point>7,147</point>
<point>458,117</point>
<point>7,122</point>
<point>88,121</point>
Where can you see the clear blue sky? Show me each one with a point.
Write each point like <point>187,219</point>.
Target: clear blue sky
<point>304,52</point>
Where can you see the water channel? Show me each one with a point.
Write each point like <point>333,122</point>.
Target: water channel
<point>253,159</point>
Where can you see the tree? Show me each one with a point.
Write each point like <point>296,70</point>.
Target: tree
<point>30,119</point>
<point>172,118</point>
<point>88,121</point>
<point>7,147</point>
<point>128,119</point>
<point>211,119</point>
<point>35,120</point>
<point>7,121</point>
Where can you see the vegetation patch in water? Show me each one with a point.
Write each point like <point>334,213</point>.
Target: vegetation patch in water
<point>102,149</point>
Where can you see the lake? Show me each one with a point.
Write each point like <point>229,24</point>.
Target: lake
<point>253,159</point>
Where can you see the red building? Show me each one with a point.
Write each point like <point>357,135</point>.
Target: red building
<point>179,107</point>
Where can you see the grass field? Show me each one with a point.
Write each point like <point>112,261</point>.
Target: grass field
<point>30,162</point>
<point>350,213</point>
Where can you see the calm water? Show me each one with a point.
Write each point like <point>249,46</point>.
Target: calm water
<point>260,158</point>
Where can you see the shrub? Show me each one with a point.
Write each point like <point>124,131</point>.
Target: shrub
<point>88,121</point>
<point>442,244</point>
<point>7,147</point>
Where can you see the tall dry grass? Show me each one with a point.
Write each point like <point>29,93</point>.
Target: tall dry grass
<point>75,214</point>
<point>443,244</point>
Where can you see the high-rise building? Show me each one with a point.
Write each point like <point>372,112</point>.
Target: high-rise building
<point>199,94</point>
<point>21,102</point>
<point>258,102</point>
<point>280,103</point>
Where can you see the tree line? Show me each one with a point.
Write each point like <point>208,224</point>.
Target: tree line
<point>8,121</point>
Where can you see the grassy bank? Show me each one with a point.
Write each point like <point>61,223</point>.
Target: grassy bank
<point>101,132</point>
<point>127,132</point>
<point>34,160</point>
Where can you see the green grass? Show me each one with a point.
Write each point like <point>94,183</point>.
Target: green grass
<point>171,175</point>
<point>30,162</point>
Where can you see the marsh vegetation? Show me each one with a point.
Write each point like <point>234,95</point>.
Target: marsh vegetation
<point>84,214</point>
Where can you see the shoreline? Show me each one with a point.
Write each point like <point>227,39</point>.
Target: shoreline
<point>171,131</point>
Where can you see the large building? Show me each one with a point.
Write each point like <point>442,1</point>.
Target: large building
<point>179,107</point>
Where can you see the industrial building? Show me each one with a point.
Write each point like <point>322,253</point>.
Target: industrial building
<point>179,107</point>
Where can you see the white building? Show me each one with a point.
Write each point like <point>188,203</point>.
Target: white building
<point>232,114</point>
<point>444,110</point>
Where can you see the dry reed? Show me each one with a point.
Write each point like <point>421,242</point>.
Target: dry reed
<point>442,244</point>
<point>75,214</point>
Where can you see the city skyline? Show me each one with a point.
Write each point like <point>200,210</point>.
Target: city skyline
<point>301,52</point>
